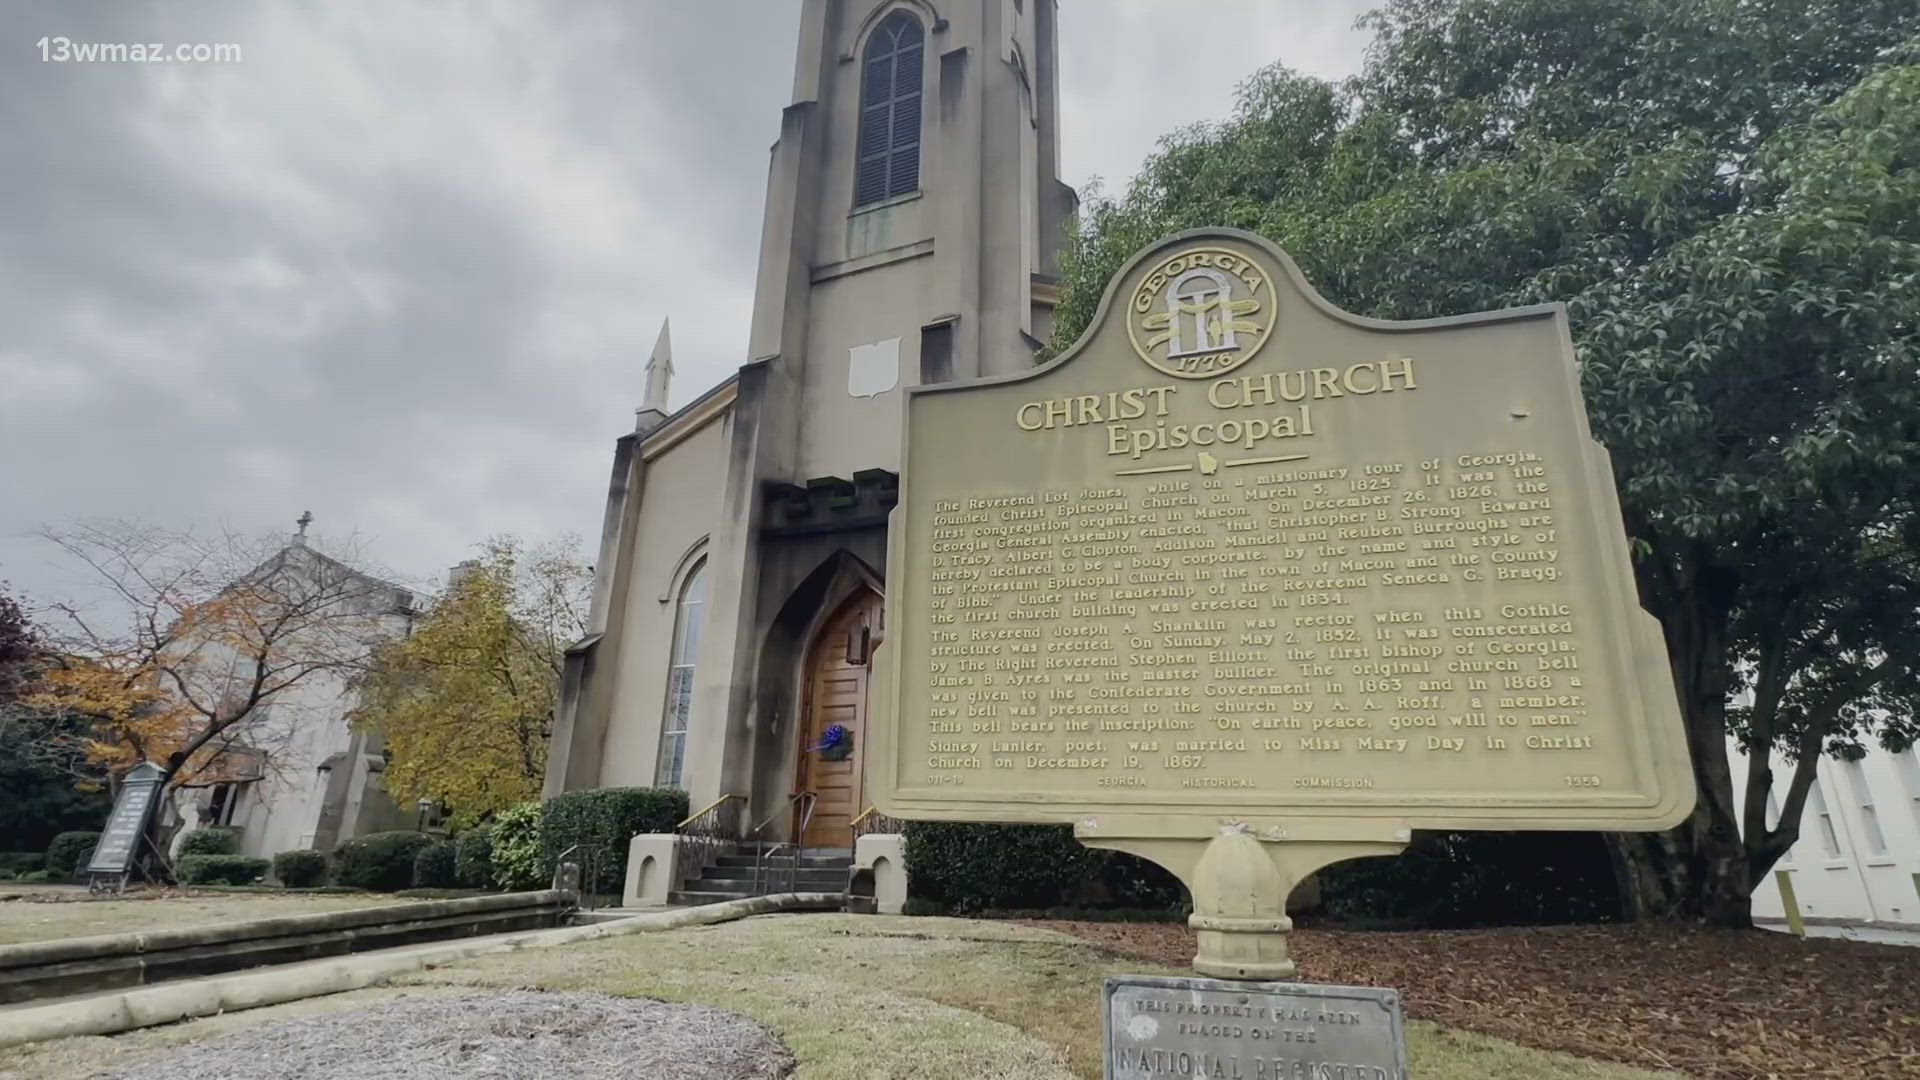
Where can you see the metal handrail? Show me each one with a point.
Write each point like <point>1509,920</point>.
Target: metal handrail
<point>588,866</point>
<point>705,810</point>
<point>709,834</point>
<point>806,800</point>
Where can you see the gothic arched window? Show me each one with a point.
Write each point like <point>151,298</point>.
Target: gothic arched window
<point>889,145</point>
<point>686,651</point>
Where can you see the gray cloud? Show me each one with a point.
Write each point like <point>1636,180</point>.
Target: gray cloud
<point>403,262</point>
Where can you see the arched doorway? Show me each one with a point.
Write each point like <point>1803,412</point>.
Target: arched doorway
<point>835,685</point>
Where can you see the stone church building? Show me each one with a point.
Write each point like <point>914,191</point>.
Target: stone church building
<point>913,218</point>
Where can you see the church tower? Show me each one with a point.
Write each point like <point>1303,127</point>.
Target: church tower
<point>913,215</point>
<point>913,218</point>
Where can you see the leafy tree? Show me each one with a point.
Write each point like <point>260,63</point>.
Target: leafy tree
<point>19,646</point>
<point>45,795</point>
<point>465,703</point>
<point>190,656</point>
<point>1726,195</point>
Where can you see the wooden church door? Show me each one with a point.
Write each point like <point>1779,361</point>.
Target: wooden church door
<point>837,671</point>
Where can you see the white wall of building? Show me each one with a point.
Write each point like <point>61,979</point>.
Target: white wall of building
<point>1859,847</point>
<point>281,811</point>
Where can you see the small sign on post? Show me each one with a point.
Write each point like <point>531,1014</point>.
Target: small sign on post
<point>126,828</point>
<point>1251,1031</point>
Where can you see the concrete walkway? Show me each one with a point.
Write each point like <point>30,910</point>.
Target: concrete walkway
<point>1881,935</point>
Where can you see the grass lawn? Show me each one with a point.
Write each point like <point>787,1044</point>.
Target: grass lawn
<point>48,915</point>
<point>855,997</point>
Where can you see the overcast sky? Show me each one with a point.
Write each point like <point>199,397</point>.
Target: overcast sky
<point>401,264</point>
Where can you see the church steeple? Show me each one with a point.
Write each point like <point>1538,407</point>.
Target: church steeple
<point>914,216</point>
<point>653,407</point>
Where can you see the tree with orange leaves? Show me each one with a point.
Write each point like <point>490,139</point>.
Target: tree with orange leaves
<point>193,642</point>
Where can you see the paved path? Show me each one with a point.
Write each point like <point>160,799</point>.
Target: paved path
<point>1879,934</point>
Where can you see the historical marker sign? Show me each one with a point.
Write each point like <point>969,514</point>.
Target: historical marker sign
<point>127,824</point>
<point>1239,555</point>
<point>1251,1031</point>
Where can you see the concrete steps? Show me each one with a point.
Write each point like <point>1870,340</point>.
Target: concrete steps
<point>731,877</point>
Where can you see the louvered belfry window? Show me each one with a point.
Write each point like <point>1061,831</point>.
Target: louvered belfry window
<point>890,111</point>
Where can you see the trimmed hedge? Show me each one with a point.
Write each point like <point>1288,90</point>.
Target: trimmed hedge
<point>1448,880</point>
<point>516,849</point>
<point>971,867</point>
<point>966,868</point>
<point>300,869</point>
<point>473,858</point>
<point>35,877</point>
<point>214,841</point>
<point>69,852</point>
<point>433,866</point>
<point>219,869</point>
<point>382,862</point>
<point>601,822</point>
<point>22,862</point>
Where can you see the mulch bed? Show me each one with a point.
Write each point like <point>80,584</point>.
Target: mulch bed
<point>1715,1004</point>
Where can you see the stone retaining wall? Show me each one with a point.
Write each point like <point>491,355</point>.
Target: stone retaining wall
<point>44,969</point>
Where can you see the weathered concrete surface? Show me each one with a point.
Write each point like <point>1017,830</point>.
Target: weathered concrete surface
<point>123,1010</point>
<point>882,858</point>
<point>82,965</point>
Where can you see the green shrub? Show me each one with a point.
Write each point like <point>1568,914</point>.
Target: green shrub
<point>219,869</point>
<point>300,869</point>
<point>966,868</point>
<point>433,866</point>
<point>34,877</point>
<point>473,858</point>
<point>1448,880</point>
<point>601,822</point>
<point>214,841</point>
<point>971,867</point>
<point>382,862</point>
<point>20,862</point>
<point>69,852</point>
<point>516,848</point>
<point>1133,883</point>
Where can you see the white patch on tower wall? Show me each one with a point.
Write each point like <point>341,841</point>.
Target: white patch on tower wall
<point>873,369</point>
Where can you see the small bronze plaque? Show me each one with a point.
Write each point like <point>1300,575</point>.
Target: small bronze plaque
<point>1161,1027</point>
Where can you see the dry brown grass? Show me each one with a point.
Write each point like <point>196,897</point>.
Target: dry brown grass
<point>855,998</point>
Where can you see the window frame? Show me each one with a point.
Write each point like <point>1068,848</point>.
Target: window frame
<point>683,653</point>
<point>887,109</point>
<point>1872,833</point>
<point>1823,818</point>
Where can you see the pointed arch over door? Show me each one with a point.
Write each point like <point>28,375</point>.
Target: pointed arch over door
<point>835,680</point>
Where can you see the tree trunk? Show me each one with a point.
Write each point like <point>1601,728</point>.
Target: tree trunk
<point>1653,874</point>
<point>1691,872</point>
<point>1698,870</point>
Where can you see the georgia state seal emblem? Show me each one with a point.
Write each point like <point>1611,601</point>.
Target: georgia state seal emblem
<point>1201,312</point>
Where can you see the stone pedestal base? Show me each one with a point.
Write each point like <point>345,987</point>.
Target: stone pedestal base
<point>883,856</point>
<point>652,866</point>
<point>1240,881</point>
